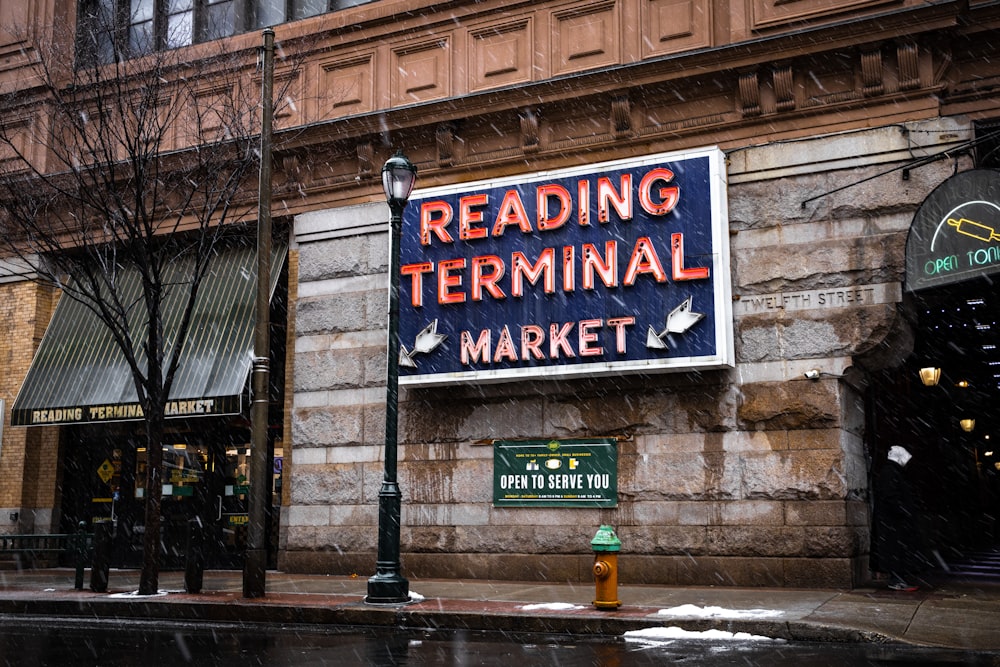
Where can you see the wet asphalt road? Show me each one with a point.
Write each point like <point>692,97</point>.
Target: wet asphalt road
<point>71,642</point>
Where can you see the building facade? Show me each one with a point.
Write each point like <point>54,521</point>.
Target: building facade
<point>833,122</point>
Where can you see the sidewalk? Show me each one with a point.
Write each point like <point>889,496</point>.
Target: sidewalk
<point>958,615</point>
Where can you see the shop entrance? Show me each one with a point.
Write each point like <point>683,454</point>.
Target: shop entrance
<point>951,426</point>
<point>206,487</point>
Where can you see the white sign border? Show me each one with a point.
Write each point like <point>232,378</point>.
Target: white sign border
<point>721,281</point>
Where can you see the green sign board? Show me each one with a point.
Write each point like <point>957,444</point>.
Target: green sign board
<point>555,473</point>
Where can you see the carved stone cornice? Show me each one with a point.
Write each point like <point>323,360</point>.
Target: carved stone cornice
<point>749,94</point>
<point>366,158</point>
<point>444,137</point>
<point>784,92</point>
<point>908,62</point>
<point>529,130</point>
<point>872,71</point>
<point>785,96</point>
<point>621,116</point>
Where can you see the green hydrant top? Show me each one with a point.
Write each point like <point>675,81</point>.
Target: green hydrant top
<point>606,540</point>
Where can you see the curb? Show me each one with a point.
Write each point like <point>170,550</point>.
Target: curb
<point>446,615</point>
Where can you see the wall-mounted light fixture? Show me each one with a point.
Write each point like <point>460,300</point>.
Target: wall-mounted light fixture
<point>930,376</point>
<point>967,424</point>
<point>815,374</point>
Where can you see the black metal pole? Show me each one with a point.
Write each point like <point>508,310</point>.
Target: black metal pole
<point>255,565</point>
<point>388,586</point>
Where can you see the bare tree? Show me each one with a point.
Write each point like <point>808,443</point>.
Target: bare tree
<point>123,168</point>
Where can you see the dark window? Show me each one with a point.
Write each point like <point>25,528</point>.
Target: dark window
<point>140,27</point>
<point>220,18</point>
<point>110,29</point>
<point>988,144</point>
<point>96,38</point>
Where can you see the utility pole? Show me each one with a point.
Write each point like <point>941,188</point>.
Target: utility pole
<point>255,564</point>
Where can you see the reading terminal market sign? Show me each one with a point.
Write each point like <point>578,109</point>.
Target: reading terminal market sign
<point>618,267</point>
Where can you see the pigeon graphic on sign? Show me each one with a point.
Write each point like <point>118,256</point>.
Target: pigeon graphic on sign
<point>679,320</point>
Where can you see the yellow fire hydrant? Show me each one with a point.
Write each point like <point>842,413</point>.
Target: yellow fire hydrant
<point>606,546</point>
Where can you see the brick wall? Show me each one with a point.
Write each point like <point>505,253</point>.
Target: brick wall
<point>28,458</point>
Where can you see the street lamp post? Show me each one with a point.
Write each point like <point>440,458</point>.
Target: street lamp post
<point>388,586</point>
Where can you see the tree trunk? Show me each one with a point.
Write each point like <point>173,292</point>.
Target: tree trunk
<point>149,580</point>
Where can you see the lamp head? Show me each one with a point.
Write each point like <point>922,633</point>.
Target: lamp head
<point>930,376</point>
<point>398,177</point>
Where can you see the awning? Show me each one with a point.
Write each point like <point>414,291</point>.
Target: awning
<point>78,374</point>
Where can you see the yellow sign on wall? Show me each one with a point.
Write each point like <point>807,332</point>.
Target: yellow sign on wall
<point>106,471</point>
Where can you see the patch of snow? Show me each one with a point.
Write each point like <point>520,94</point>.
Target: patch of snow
<point>551,606</point>
<point>657,635</point>
<point>135,594</point>
<point>416,597</point>
<point>694,611</point>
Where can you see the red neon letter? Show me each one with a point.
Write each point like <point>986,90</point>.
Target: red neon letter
<point>562,215</point>
<point>557,340</point>
<point>622,202</point>
<point>588,337</point>
<point>619,324</point>
<point>669,196</point>
<point>511,213</point>
<point>532,337</point>
<point>467,217</point>
<point>569,272</point>
<point>644,260</point>
<point>521,268</point>
<point>677,260</point>
<point>428,223</point>
<point>505,347</point>
<point>475,351</point>
<point>583,202</point>
<point>446,281</point>
<point>416,280</point>
<point>487,281</point>
<point>607,268</point>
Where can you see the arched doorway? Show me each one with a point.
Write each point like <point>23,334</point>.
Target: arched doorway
<point>948,419</point>
<point>952,428</point>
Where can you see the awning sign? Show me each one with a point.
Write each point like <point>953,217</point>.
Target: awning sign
<point>79,374</point>
<point>610,268</point>
<point>955,234</point>
<point>555,473</point>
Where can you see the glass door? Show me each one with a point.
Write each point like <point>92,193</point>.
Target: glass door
<point>232,506</point>
<point>188,469</point>
<point>205,489</point>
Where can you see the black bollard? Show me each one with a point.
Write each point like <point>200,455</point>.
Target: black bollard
<point>194,569</point>
<point>101,565</point>
<point>79,541</point>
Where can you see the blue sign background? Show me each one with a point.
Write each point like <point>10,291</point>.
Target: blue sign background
<point>648,301</point>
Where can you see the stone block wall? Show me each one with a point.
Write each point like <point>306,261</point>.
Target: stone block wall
<point>751,476</point>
